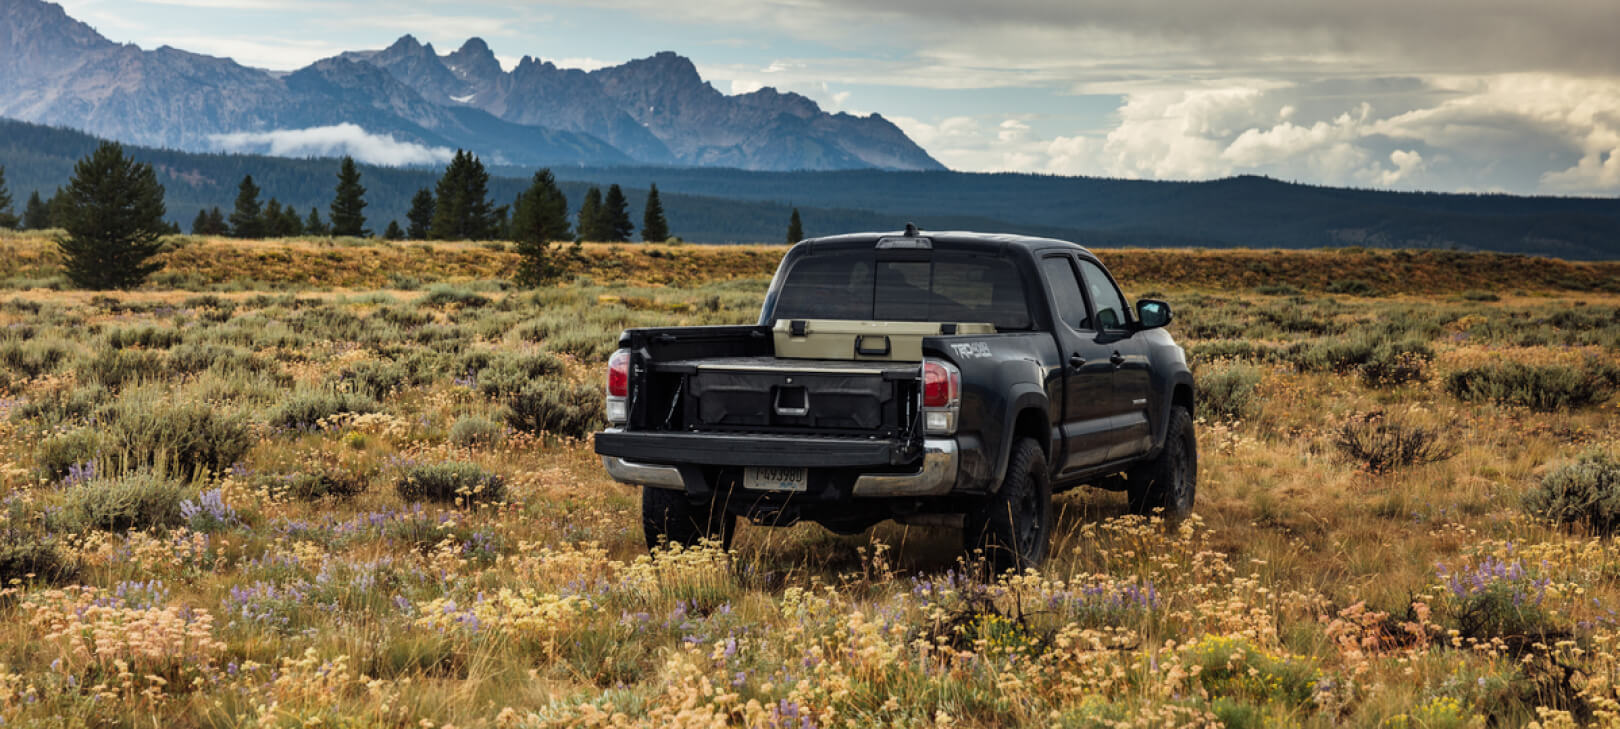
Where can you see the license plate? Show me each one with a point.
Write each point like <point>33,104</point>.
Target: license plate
<point>776,479</point>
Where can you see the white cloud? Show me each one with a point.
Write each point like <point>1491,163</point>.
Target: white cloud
<point>1175,135</point>
<point>1072,155</point>
<point>583,63</point>
<point>332,141</point>
<point>1406,163</point>
<point>946,131</point>
<point>987,144</point>
<point>1526,133</point>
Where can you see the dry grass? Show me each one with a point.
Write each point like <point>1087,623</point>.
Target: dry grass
<point>302,590</point>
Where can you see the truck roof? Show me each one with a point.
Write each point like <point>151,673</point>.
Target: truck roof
<point>952,238</point>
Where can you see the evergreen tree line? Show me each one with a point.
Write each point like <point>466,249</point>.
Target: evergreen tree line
<point>250,219</point>
<point>457,209</point>
<point>112,212</point>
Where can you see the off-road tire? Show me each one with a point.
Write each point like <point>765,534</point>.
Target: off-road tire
<point>668,515</point>
<point>1014,526</point>
<point>1169,483</point>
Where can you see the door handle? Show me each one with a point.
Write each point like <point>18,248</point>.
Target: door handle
<point>1118,359</point>
<point>1076,361</point>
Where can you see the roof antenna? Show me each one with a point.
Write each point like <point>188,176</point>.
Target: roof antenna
<point>911,230</point>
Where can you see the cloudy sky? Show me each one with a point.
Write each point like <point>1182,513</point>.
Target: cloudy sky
<point>1458,95</point>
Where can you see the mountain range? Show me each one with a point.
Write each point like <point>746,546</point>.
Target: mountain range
<point>59,71</point>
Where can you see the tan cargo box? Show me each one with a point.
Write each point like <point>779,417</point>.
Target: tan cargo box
<point>832,339</point>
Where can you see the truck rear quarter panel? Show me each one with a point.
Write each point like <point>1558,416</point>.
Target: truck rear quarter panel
<point>1002,375</point>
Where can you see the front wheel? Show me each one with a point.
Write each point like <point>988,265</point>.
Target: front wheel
<point>1169,482</point>
<point>1014,526</point>
<point>670,516</point>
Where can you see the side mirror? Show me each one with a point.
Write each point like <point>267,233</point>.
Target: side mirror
<point>1152,313</point>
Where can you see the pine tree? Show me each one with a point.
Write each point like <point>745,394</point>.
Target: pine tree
<point>216,222</point>
<point>8,219</point>
<point>590,216</point>
<point>654,228</point>
<point>540,213</point>
<point>394,232</point>
<point>314,226</point>
<point>113,213</point>
<point>449,200</point>
<point>37,215</point>
<point>553,204</point>
<point>246,222</point>
<point>616,215</point>
<point>347,204</point>
<point>480,213</point>
<point>501,229</point>
<point>795,228</point>
<point>461,208</point>
<point>539,218</point>
<point>420,216</point>
<point>290,224</point>
<point>272,219</point>
<point>57,206</point>
<point>199,224</point>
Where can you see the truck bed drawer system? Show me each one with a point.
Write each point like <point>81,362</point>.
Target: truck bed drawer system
<point>770,395</point>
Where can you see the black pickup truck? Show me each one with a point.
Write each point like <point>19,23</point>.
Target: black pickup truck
<point>928,377</point>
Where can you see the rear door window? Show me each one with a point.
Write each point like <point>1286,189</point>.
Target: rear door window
<point>1071,304</point>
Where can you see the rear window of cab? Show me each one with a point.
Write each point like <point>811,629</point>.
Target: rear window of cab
<point>868,286</point>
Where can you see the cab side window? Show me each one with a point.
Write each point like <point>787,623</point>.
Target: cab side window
<point>1111,312</point>
<point>1061,278</point>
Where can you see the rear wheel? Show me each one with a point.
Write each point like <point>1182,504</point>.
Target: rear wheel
<point>671,516</point>
<point>1014,526</point>
<point>1169,482</point>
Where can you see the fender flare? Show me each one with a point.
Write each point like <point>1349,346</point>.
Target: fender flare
<point>1167,401</point>
<point>1022,396</point>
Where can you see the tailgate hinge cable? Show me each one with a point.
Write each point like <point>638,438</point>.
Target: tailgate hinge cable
<point>674,402</point>
<point>914,438</point>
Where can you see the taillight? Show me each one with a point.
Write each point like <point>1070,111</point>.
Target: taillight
<point>942,384</point>
<point>618,378</point>
<point>618,387</point>
<point>941,397</point>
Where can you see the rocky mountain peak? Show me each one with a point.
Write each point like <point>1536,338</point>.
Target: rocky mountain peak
<point>408,45</point>
<point>42,35</point>
<point>474,61</point>
<point>782,101</point>
<point>666,68</point>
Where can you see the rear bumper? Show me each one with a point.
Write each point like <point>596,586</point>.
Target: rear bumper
<point>651,459</point>
<point>729,449</point>
<point>643,474</point>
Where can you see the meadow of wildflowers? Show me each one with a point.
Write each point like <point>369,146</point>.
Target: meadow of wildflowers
<point>378,507</point>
